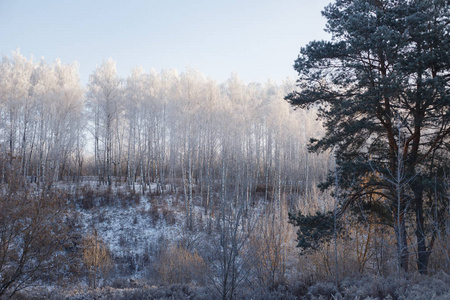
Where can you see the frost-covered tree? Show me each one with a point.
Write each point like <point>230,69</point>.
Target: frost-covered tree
<point>40,116</point>
<point>105,92</point>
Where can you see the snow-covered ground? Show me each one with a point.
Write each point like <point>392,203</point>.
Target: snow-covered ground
<point>129,229</point>
<point>136,229</point>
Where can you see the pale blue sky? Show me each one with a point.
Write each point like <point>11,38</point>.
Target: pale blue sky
<point>258,39</point>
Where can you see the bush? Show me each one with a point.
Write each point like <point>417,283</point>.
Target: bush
<point>87,199</point>
<point>120,283</point>
<point>417,287</point>
<point>177,265</point>
<point>128,199</point>
<point>96,258</point>
<point>154,213</point>
<point>33,235</point>
<point>322,289</point>
<point>265,294</point>
<point>168,216</point>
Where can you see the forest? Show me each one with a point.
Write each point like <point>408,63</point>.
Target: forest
<point>169,185</point>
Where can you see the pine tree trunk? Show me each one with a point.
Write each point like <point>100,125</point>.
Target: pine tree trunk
<point>402,242</point>
<point>423,253</point>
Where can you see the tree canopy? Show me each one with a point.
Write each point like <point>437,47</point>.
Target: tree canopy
<point>382,84</point>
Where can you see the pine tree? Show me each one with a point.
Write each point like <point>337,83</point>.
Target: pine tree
<point>382,83</point>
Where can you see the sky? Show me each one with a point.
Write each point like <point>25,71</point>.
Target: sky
<point>257,39</point>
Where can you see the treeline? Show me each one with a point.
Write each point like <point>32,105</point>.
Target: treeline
<point>158,127</point>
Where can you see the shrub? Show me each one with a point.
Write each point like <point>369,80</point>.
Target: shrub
<point>154,213</point>
<point>176,265</point>
<point>128,199</point>
<point>168,216</point>
<point>96,258</point>
<point>87,199</point>
<point>33,235</point>
<point>323,289</point>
